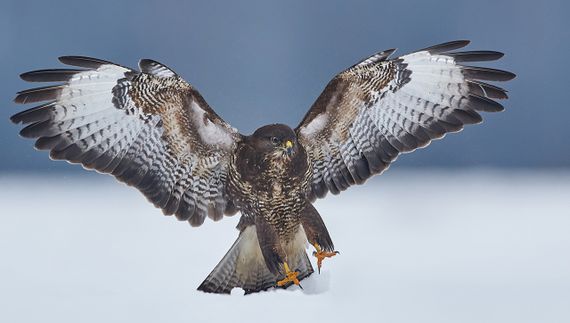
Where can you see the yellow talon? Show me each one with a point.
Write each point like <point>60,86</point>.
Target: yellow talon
<point>290,277</point>
<point>320,254</point>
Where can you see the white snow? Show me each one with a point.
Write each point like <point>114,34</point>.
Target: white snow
<point>416,246</point>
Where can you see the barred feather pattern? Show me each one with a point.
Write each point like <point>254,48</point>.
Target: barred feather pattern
<point>379,108</point>
<point>149,129</point>
<point>243,265</point>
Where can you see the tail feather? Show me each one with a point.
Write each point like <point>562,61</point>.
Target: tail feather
<point>243,266</point>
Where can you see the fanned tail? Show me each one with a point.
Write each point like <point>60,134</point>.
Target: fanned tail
<point>243,266</point>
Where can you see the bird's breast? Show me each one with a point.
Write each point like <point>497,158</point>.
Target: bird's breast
<point>274,190</point>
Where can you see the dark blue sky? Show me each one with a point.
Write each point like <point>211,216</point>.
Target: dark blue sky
<point>259,63</point>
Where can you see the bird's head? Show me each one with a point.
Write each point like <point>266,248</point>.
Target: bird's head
<point>276,140</point>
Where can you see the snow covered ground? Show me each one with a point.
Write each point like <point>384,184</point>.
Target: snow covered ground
<point>416,246</point>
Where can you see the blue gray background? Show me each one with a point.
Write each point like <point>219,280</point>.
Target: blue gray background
<point>417,245</point>
<point>258,62</point>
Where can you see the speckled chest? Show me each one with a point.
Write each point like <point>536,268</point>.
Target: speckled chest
<point>273,188</point>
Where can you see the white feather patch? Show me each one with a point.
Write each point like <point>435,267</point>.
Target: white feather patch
<point>250,253</point>
<point>316,125</point>
<point>210,133</point>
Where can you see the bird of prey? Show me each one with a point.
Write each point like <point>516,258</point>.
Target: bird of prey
<point>152,130</point>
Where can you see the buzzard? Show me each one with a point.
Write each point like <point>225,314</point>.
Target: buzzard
<point>152,130</point>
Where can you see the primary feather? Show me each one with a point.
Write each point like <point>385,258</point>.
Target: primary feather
<point>149,129</point>
<point>380,107</point>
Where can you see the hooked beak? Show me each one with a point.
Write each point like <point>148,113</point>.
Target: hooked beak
<point>289,147</point>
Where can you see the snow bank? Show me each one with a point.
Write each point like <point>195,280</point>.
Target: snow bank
<point>415,247</point>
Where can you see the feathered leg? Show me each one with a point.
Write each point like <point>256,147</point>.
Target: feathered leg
<point>274,254</point>
<point>271,248</point>
<point>317,234</point>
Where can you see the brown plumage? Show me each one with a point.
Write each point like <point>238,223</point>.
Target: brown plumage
<point>154,131</point>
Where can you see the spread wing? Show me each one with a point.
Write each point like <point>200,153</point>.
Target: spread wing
<point>380,107</point>
<point>149,129</point>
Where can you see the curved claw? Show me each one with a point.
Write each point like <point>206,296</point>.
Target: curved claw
<point>321,255</point>
<point>290,277</point>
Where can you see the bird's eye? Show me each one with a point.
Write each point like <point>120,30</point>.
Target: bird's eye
<point>274,140</point>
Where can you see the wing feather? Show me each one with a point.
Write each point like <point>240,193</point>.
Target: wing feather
<point>378,108</point>
<point>149,129</point>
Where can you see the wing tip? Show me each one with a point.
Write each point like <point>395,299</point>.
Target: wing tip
<point>389,52</point>
<point>150,66</point>
<point>21,98</point>
<point>50,75</point>
<point>487,74</point>
<point>447,46</point>
<point>83,61</point>
<point>476,56</point>
<point>16,118</point>
<point>25,76</point>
